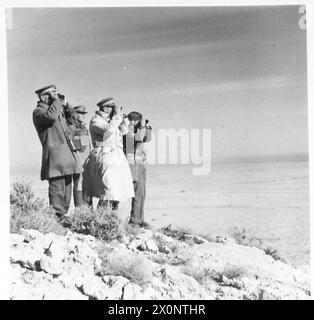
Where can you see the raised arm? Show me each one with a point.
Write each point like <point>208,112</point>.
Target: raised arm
<point>148,134</point>
<point>47,115</point>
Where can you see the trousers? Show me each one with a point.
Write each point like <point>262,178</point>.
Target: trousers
<point>137,206</point>
<point>79,195</point>
<point>59,193</point>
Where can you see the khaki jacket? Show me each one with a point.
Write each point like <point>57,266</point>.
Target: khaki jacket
<point>105,133</point>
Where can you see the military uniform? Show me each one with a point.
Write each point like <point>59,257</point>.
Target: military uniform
<point>59,159</point>
<point>82,143</point>
<point>107,174</point>
<point>136,154</point>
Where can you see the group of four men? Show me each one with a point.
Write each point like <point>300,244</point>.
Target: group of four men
<point>66,144</point>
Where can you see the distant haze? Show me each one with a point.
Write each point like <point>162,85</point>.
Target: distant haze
<point>240,71</point>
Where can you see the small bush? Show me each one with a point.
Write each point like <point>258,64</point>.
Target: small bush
<point>30,212</point>
<point>23,197</point>
<point>195,271</point>
<point>136,268</point>
<point>101,224</point>
<point>179,233</point>
<point>231,271</point>
<point>274,253</point>
<point>43,220</point>
<point>242,237</point>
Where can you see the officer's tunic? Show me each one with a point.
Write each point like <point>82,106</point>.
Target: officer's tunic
<point>57,157</point>
<point>106,171</point>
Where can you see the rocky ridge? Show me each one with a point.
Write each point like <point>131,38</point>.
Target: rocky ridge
<point>147,265</point>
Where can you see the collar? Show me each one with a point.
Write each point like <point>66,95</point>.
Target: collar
<point>102,114</point>
<point>42,104</point>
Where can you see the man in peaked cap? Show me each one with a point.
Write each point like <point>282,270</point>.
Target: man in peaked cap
<point>60,160</point>
<point>105,101</point>
<point>107,105</point>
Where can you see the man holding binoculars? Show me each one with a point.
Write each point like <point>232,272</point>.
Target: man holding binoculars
<point>139,133</point>
<point>60,160</point>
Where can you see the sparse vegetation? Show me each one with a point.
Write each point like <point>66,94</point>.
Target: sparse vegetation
<point>103,225</point>
<point>170,259</point>
<point>274,253</point>
<point>132,230</point>
<point>30,212</point>
<point>136,268</point>
<point>243,237</point>
<point>195,271</point>
<point>184,234</point>
<point>23,197</point>
<point>161,243</point>
<point>232,271</point>
<point>179,233</point>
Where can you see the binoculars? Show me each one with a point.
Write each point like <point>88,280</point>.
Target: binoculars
<point>61,96</point>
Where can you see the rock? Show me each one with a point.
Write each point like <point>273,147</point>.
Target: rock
<point>177,286</point>
<point>26,254</point>
<point>195,239</point>
<point>57,250</point>
<point>164,238</point>
<point>116,285</point>
<point>31,234</point>
<point>22,291</point>
<point>60,293</point>
<point>16,273</point>
<point>74,275</point>
<point>137,244</point>
<point>35,278</point>
<point>149,293</point>
<point>125,239</point>
<point>145,235</point>
<point>132,291</point>
<point>95,288</point>
<point>143,245</point>
<point>81,253</point>
<point>151,246</point>
<point>50,265</point>
<point>164,249</point>
<point>68,267</point>
<point>16,239</point>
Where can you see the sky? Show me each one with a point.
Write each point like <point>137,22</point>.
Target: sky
<point>239,71</point>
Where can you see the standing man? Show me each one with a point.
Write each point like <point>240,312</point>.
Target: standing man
<point>82,143</point>
<point>59,157</point>
<point>134,147</point>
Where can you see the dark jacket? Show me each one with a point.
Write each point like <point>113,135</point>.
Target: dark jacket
<point>134,148</point>
<point>58,159</point>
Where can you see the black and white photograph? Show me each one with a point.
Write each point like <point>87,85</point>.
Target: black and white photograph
<point>158,152</point>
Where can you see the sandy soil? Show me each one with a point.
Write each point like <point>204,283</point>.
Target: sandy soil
<point>270,200</point>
